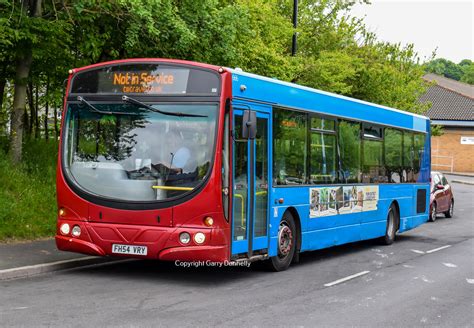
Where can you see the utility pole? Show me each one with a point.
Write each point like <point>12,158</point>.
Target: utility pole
<point>295,24</point>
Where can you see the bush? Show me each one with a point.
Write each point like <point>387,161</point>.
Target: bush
<point>28,193</point>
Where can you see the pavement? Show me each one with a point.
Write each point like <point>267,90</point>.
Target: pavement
<point>25,259</point>
<point>464,178</point>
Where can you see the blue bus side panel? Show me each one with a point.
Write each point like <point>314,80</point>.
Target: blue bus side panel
<point>327,231</point>
<point>336,229</point>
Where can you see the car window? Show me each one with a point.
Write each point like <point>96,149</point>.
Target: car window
<point>436,179</point>
<point>445,181</point>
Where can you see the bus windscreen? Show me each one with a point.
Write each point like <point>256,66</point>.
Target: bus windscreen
<point>149,79</point>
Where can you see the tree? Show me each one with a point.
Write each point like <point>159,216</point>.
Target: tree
<point>459,72</point>
<point>41,40</point>
<point>24,58</point>
<point>468,75</point>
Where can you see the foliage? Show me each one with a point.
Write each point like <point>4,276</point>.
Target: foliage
<point>28,196</point>
<point>335,53</point>
<point>468,76</point>
<point>345,58</point>
<point>437,130</point>
<point>464,71</point>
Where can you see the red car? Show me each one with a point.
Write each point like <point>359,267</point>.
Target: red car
<point>442,198</point>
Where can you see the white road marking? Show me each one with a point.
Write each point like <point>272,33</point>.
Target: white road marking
<point>437,249</point>
<point>426,279</point>
<point>346,279</point>
<point>378,263</point>
<point>417,251</point>
<point>450,265</point>
<point>470,281</point>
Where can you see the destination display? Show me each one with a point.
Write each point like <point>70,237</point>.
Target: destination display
<point>150,79</point>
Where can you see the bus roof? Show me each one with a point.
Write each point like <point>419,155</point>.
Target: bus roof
<point>146,60</point>
<point>295,96</point>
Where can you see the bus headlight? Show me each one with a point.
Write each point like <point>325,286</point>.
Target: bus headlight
<point>184,237</point>
<point>65,229</point>
<point>76,231</point>
<point>199,238</point>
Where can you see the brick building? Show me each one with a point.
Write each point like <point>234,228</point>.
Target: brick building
<point>453,109</point>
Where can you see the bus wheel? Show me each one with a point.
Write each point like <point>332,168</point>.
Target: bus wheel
<point>286,244</point>
<point>392,222</point>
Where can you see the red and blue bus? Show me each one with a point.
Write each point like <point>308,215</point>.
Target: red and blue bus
<point>183,161</point>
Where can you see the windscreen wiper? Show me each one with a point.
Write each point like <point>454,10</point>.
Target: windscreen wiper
<point>103,112</point>
<point>82,100</point>
<point>153,109</point>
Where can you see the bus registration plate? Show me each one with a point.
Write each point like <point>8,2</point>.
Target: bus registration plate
<point>129,249</point>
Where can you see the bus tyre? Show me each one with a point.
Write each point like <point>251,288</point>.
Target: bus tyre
<point>286,244</point>
<point>450,212</point>
<point>433,213</point>
<point>392,224</point>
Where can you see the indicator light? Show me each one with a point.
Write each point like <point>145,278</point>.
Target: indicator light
<point>208,221</point>
<point>62,212</point>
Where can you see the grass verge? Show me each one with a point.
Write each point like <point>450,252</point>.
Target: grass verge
<point>28,193</point>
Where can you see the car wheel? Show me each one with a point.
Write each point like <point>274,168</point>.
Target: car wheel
<point>286,244</point>
<point>433,213</point>
<point>449,213</point>
<point>392,223</point>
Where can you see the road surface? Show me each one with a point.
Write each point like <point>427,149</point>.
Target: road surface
<point>426,278</point>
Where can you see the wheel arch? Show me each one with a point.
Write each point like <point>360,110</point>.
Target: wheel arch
<point>397,209</point>
<point>296,217</point>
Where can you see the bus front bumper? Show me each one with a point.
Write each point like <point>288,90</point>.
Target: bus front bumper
<point>162,243</point>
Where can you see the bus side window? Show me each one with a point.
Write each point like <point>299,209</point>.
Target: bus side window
<point>393,155</point>
<point>373,168</point>
<point>408,156</point>
<point>323,151</point>
<point>289,147</point>
<point>418,150</point>
<point>350,151</point>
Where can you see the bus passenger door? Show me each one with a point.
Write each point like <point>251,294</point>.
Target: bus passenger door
<point>250,189</point>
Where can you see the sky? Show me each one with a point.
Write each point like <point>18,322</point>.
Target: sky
<point>446,26</point>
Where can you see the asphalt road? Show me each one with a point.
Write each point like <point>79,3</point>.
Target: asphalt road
<point>425,279</point>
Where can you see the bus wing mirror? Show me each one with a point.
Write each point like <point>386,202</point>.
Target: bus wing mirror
<point>249,124</point>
